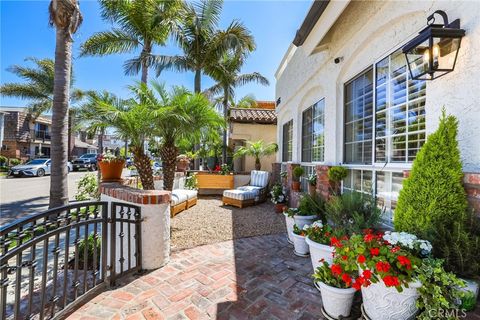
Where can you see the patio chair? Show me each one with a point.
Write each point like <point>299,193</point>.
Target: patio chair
<point>251,194</point>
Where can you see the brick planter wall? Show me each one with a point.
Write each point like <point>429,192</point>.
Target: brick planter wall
<point>471,183</point>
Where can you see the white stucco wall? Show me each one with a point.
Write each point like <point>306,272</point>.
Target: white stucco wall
<point>366,32</point>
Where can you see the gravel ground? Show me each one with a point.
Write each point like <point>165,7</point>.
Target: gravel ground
<point>209,222</point>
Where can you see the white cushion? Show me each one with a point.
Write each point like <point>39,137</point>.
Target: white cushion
<point>254,189</point>
<point>191,194</point>
<point>259,178</point>
<point>239,194</point>
<point>178,197</point>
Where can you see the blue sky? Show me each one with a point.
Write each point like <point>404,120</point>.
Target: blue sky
<point>25,32</point>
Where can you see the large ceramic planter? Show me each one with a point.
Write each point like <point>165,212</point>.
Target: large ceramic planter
<point>386,303</point>
<point>299,244</point>
<point>318,252</point>
<point>337,302</point>
<point>300,221</point>
<point>289,222</point>
<point>111,170</point>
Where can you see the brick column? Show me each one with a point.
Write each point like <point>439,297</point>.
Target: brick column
<point>276,169</point>
<point>155,212</point>
<point>324,186</point>
<point>293,196</point>
<point>471,183</point>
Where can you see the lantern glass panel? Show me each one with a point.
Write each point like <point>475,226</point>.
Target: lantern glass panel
<point>417,59</point>
<point>444,53</point>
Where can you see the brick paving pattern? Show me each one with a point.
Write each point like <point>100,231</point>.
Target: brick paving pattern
<point>249,278</point>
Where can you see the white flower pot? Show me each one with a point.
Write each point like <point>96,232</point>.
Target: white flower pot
<point>300,221</point>
<point>289,222</point>
<point>299,244</point>
<point>386,303</point>
<point>337,302</point>
<point>318,252</point>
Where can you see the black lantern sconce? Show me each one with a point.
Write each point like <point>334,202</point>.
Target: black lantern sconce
<point>433,53</point>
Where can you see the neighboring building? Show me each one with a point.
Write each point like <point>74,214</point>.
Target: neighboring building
<point>345,94</point>
<point>252,124</point>
<point>24,136</point>
<point>112,142</point>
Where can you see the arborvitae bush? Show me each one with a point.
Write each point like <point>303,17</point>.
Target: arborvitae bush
<point>433,194</point>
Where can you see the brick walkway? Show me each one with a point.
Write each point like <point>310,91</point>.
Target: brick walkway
<point>249,278</point>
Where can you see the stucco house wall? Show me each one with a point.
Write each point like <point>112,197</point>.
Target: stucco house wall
<point>364,33</point>
<point>255,132</point>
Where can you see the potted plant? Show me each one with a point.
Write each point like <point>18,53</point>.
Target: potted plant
<point>111,166</point>
<point>299,244</point>
<point>387,264</point>
<point>183,162</point>
<point>312,184</point>
<point>297,173</point>
<point>278,198</point>
<point>321,239</point>
<point>335,175</point>
<point>284,177</point>
<point>289,222</point>
<point>309,209</point>
<point>335,284</point>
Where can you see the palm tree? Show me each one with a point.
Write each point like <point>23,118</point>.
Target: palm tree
<point>227,74</point>
<point>202,42</point>
<point>139,25</point>
<point>257,149</point>
<point>66,17</point>
<point>130,118</point>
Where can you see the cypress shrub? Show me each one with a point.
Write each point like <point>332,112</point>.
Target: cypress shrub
<point>433,194</point>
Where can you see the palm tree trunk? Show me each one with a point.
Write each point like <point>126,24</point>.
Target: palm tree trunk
<point>144,72</point>
<point>100,151</point>
<point>147,50</point>
<point>168,152</point>
<point>61,94</point>
<point>142,163</point>
<point>258,164</point>
<point>225,115</point>
<point>198,89</point>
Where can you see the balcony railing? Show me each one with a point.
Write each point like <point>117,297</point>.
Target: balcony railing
<point>40,135</point>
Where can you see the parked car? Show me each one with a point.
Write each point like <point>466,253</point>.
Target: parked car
<point>85,161</point>
<point>128,162</point>
<point>156,167</point>
<point>34,168</point>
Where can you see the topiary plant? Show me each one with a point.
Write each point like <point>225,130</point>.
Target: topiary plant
<point>433,195</point>
<point>297,173</point>
<point>337,173</point>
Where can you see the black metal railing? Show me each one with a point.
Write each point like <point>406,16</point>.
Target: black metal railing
<point>51,262</point>
<point>41,135</point>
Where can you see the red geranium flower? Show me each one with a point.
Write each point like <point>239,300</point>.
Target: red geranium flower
<point>404,261</point>
<point>336,269</point>
<point>368,237</point>
<point>357,285</point>
<point>367,274</point>
<point>391,281</point>
<point>374,251</point>
<point>361,258</point>
<point>347,279</point>
<point>344,258</point>
<point>335,242</point>
<point>395,249</point>
<point>382,266</point>
<point>367,231</point>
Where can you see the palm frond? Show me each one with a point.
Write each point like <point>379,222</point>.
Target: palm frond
<point>251,77</point>
<point>108,42</point>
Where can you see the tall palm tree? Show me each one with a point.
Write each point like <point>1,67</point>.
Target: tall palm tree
<point>227,74</point>
<point>139,25</point>
<point>65,15</point>
<point>257,149</point>
<point>202,42</point>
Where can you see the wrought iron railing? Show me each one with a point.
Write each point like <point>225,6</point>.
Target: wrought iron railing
<point>53,261</point>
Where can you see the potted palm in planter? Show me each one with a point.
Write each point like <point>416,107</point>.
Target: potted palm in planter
<point>297,173</point>
<point>257,150</point>
<point>111,166</point>
<point>289,222</point>
<point>278,198</point>
<point>312,184</point>
<point>299,244</point>
<point>337,289</point>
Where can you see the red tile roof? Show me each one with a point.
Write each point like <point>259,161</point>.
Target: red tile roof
<point>257,115</point>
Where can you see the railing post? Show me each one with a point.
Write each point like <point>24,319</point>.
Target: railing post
<point>113,241</point>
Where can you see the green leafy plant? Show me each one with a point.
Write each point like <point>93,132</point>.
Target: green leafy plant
<point>87,188</point>
<point>277,194</point>
<point>191,182</point>
<point>297,173</point>
<point>14,162</point>
<point>322,234</point>
<point>291,212</point>
<point>333,276</point>
<point>312,205</point>
<point>337,173</point>
<point>353,212</point>
<point>440,290</point>
<point>3,161</point>
<point>225,169</point>
<point>257,150</point>
<point>298,231</point>
<point>469,301</point>
<point>110,157</point>
<point>284,174</point>
<point>91,242</point>
<point>312,179</point>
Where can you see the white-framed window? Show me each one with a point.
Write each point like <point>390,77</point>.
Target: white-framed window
<point>287,141</point>
<point>313,120</point>
<point>308,170</point>
<point>359,180</point>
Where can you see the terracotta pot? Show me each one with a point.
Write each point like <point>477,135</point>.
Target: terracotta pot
<point>182,165</point>
<point>296,186</point>
<point>279,207</point>
<point>312,190</point>
<point>112,170</point>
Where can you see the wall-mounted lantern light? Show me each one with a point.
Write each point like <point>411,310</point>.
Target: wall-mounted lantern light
<point>434,51</point>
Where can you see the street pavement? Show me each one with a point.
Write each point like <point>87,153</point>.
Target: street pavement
<point>21,197</point>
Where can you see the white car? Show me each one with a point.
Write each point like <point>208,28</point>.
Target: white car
<point>34,168</point>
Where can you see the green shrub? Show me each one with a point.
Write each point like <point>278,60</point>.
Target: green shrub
<point>312,205</point>
<point>312,179</point>
<point>14,162</point>
<point>353,212</point>
<point>91,242</point>
<point>3,168</point>
<point>87,188</point>
<point>337,173</point>
<point>298,172</point>
<point>191,182</point>
<point>3,160</point>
